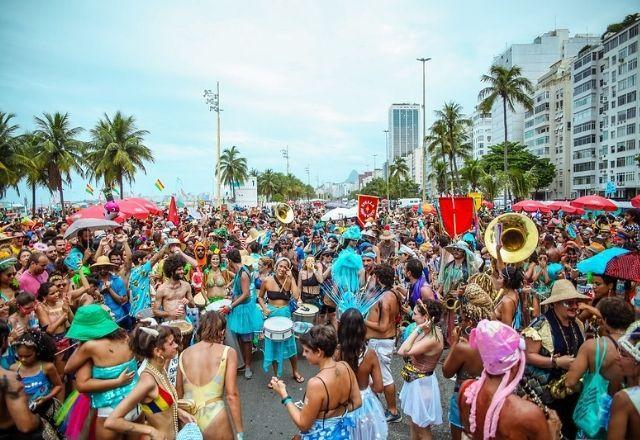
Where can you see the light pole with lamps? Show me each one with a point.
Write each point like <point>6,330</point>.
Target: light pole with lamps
<point>424,131</point>
<point>386,141</point>
<point>213,101</point>
<point>285,155</point>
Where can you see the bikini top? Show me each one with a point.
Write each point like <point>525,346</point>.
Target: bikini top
<point>311,281</point>
<point>163,402</point>
<point>275,295</point>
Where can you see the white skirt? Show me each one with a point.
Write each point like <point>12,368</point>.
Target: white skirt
<point>371,423</point>
<point>420,400</point>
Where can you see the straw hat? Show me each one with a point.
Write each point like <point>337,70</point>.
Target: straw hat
<point>255,235</point>
<point>563,290</point>
<point>387,235</point>
<point>173,241</point>
<point>247,259</point>
<point>103,261</point>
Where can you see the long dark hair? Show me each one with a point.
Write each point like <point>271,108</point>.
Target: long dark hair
<point>351,337</point>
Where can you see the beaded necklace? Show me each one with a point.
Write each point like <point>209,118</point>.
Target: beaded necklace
<point>161,378</point>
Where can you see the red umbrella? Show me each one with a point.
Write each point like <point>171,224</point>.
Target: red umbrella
<point>132,208</point>
<point>565,207</point>
<point>596,203</point>
<point>95,211</point>
<point>487,204</point>
<point>147,204</point>
<point>530,206</point>
<point>635,202</point>
<point>624,267</point>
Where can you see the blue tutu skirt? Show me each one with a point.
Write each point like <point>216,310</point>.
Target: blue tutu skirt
<point>334,428</point>
<point>371,423</point>
<point>278,351</point>
<point>245,319</point>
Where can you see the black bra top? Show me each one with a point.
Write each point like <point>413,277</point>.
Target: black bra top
<point>311,281</point>
<point>275,295</point>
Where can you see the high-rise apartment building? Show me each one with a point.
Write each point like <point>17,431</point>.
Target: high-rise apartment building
<point>534,60</point>
<point>547,128</point>
<point>480,133</point>
<point>404,130</point>
<point>605,129</point>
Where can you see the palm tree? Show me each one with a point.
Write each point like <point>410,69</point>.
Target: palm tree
<point>267,184</point>
<point>116,151</point>
<point>438,146</point>
<point>455,124</point>
<point>254,172</point>
<point>513,88</point>
<point>520,184</point>
<point>439,175</point>
<point>9,166</point>
<point>34,171</point>
<point>490,185</point>
<point>399,169</point>
<point>233,168</point>
<point>472,173</point>
<point>60,150</point>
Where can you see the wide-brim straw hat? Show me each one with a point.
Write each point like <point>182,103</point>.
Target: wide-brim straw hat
<point>563,290</point>
<point>174,241</point>
<point>103,261</point>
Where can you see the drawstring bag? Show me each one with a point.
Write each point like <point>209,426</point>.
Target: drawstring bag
<point>592,410</point>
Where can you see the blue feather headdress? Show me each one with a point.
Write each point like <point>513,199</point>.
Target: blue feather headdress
<point>362,299</point>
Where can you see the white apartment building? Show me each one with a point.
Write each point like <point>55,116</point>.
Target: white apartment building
<point>480,133</point>
<point>415,165</point>
<point>547,128</point>
<point>534,59</point>
<point>605,127</point>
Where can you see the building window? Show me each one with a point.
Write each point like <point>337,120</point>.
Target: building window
<point>631,128</point>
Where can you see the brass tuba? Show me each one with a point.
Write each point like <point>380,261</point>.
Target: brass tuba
<point>517,233</point>
<point>284,214</point>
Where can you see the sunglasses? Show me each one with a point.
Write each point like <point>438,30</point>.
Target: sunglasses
<point>570,303</point>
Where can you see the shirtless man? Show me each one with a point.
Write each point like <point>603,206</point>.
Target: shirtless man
<point>381,334</point>
<point>175,293</point>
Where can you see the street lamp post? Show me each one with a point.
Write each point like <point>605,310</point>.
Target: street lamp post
<point>285,155</point>
<point>386,141</point>
<point>374,165</point>
<point>213,101</point>
<point>424,131</point>
<point>308,182</point>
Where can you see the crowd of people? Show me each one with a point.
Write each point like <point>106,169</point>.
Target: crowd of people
<point>143,330</point>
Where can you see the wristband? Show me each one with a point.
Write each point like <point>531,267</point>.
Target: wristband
<point>287,400</point>
<point>553,362</point>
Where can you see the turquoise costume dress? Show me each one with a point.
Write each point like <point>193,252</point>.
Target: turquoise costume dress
<point>111,398</point>
<point>245,318</point>
<point>278,351</point>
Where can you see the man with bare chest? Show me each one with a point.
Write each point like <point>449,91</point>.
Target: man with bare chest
<point>175,293</point>
<point>381,334</point>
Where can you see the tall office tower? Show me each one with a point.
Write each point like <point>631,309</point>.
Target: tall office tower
<point>404,130</point>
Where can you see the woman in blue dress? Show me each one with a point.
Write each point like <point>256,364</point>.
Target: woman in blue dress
<point>245,318</point>
<point>280,289</point>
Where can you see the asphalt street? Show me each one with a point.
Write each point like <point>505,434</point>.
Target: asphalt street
<point>265,418</point>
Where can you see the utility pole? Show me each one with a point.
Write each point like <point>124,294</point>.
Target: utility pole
<point>386,140</point>
<point>308,182</point>
<point>285,154</point>
<point>213,101</point>
<point>374,165</point>
<point>424,131</point>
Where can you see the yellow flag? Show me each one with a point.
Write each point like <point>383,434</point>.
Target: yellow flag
<point>477,199</point>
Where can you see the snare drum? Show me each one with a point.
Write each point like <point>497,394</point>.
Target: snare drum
<point>200,300</point>
<point>278,328</point>
<point>216,306</point>
<point>306,313</point>
<point>299,329</point>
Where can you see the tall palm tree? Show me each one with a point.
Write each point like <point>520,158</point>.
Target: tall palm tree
<point>116,151</point>
<point>60,150</point>
<point>233,168</point>
<point>491,185</point>
<point>509,85</point>
<point>439,175</point>
<point>472,173</point>
<point>438,146</point>
<point>456,125</point>
<point>399,169</point>
<point>520,184</point>
<point>9,166</point>
<point>254,172</point>
<point>33,169</point>
<point>267,184</point>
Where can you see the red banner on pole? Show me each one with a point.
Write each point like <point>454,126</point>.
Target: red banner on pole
<point>457,214</point>
<point>367,208</point>
<point>173,216</point>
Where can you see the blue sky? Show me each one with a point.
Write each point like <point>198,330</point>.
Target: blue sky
<point>317,76</point>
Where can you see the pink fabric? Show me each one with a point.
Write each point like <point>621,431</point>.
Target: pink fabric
<point>501,348</point>
<point>31,284</point>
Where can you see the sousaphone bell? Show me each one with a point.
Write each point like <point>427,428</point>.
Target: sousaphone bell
<point>516,232</point>
<point>284,214</point>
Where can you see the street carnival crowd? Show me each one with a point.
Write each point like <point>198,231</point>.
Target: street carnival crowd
<point>143,330</point>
